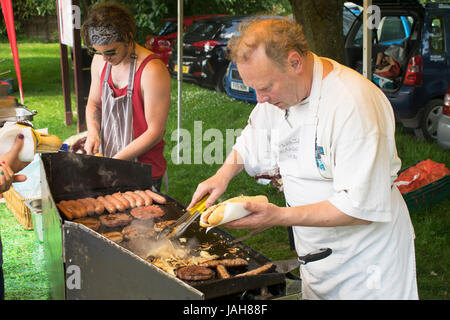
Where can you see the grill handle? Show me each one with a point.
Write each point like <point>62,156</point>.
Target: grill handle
<point>315,255</point>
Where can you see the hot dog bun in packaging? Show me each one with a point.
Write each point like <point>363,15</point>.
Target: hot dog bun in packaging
<point>229,210</point>
<point>34,141</point>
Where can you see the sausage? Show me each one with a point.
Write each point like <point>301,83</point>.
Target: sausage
<point>256,271</point>
<point>147,199</point>
<point>66,209</point>
<point>90,208</point>
<point>222,272</point>
<point>119,196</point>
<point>156,197</point>
<point>79,208</point>
<point>119,206</point>
<point>99,207</point>
<point>130,199</point>
<point>139,201</point>
<point>108,206</point>
<point>238,262</point>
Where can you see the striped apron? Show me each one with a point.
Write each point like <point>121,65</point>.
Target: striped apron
<point>117,115</point>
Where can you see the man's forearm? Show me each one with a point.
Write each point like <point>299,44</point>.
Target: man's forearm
<point>321,214</point>
<point>233,166</point>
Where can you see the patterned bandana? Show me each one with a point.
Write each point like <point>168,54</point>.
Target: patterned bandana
<point>101,36</point>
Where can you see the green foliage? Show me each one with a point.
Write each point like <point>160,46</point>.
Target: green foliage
<point>148,13</point>
<point>26,9</point>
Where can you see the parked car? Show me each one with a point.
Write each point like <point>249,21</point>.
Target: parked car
<point>204,51</point>
<point>422,35</point>
<point>443,129</point>
<point>236,88</point>
<point>162,42</point>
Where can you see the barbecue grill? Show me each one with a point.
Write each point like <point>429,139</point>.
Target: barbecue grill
<point>83,264</point>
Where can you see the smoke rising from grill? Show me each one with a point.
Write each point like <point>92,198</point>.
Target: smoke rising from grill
<point>161,247</point>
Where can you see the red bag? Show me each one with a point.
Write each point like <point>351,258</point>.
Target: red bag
<point>392,70</point>
<point>419,175</point>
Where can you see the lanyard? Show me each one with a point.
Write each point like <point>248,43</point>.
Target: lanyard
<point>314,102</point>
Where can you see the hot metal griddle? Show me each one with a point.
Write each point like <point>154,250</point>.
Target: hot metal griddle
<point>118,271</point>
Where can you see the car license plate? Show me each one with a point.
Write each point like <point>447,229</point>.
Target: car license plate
<point>185,69</point>
<point>239,86</point>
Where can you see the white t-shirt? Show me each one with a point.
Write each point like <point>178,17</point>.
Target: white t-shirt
<point>353,165</point>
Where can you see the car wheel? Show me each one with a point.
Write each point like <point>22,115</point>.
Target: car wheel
<point>429,121</point>
<point>220,80</point>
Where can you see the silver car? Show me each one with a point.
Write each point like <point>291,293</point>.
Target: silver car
<point>443,129</point>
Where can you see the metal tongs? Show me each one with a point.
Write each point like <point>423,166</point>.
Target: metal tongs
<point>186,219</point>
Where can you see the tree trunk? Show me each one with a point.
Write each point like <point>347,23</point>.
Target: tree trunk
<point>322,26</point>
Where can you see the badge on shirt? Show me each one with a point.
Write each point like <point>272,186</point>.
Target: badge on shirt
<point>319,154</point>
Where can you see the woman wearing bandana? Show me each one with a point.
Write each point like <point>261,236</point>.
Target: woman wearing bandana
<point>129,97</point>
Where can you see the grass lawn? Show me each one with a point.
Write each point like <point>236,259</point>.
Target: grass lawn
<point>25,275</point>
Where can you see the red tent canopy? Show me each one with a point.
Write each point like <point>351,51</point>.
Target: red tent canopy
<point>9,21</point>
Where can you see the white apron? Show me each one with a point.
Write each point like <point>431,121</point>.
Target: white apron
<point>361,265</point>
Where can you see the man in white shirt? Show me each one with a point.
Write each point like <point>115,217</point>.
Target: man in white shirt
<point>331,134</point>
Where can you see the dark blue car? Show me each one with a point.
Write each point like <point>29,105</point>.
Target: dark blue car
<point>417,93</point>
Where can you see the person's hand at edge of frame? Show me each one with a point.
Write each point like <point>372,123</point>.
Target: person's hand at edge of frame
<point>10,164</point>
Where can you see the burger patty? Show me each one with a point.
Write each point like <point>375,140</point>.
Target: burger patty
<point>91,223</point>
<point>195,273</point>
<point>114,236</point>
<point>137,231</point>
<point>147,212</point>
<point>113,220</point>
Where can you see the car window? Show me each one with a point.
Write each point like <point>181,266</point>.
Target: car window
<point>391,29</point>
<point>348,18</point>
<point>228,30</point>
<point>410,21</point>
<point>201,31</point>
<point>169,27</point>
<point>437,35</point>
<point>358,40</point>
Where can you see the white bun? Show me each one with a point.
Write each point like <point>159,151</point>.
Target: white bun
<point>229,210</point>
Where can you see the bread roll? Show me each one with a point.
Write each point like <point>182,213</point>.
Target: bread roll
<point>222,212</point>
